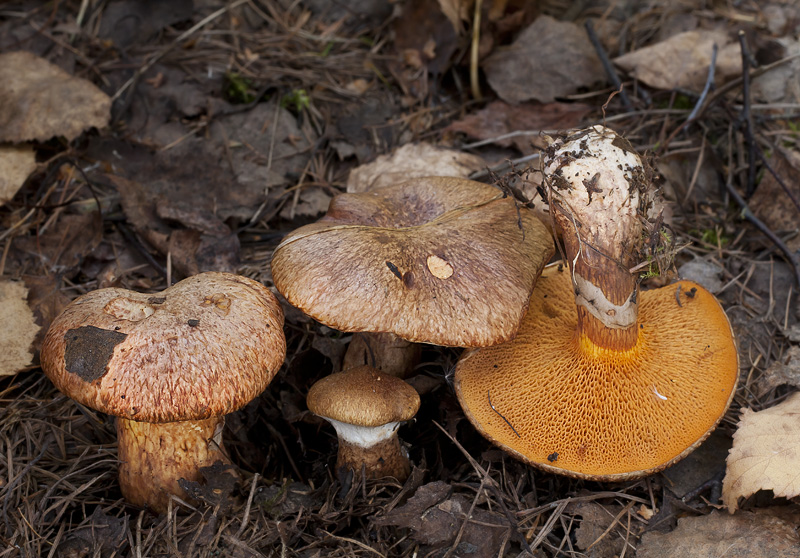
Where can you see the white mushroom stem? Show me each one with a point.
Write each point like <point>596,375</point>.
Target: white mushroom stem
<point>598,189</point>
<point>153,457</point>
<point>377,448</point>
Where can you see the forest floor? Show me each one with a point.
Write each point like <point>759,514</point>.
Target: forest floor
<point>233,123</point>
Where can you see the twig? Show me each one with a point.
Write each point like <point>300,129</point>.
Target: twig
<point>493,486</point>
<point>502,166</point>
<point>474,82</point>
<point>709,84</point>
<point>607,66</point>
<point>489,397</point>
<point>747,117</point>
<point>749,216</point>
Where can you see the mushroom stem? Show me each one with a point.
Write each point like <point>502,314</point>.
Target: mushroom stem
<point>385,351</point>
<point>378,448</point>
<point>598,189</point>
<point>153,457</point>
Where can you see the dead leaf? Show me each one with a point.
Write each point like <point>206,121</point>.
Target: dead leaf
<point>64,245</point>
<point>39,100</point>
<point>127,22</point>
<point>699,467</point>
<point>457,11</point>
<point>424,29</point>
<point>771,203</point>
<point>436,520</point>
<point>17,162</point>
<point>765,454</point>
<point>46,300</point>
<point>780,84</point>
<point>590,536</point>
<point>783,372</point>
<point>549,59</point>
<point>745,535</point>
<point>682,61</point>
<point>105,535</point>
<point>220,480</point>
<point>16,341</point>
<point>499,118</point>
<point>412,160</point>
<point>311,202</point>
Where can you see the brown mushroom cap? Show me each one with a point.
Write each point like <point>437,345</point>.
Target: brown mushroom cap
<point>202,348</point>
<point>595,413</point>
<point>433,260</point>
<point>363,396</point>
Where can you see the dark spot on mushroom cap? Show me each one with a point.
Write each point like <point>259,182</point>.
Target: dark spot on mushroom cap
<point>88,350</point>
<point>408,279</point>
<point>157,300</point>
<point>193,323</point>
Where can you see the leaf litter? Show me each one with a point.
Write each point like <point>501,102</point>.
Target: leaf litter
<point>191,174</point>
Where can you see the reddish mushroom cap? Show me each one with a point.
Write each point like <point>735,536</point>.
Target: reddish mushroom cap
<point>204,347</point>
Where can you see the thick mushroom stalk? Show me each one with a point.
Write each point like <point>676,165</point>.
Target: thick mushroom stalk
<point>170,366</point>
<point>153,457</point>
<point>598,191</point>
<point>366,406</point>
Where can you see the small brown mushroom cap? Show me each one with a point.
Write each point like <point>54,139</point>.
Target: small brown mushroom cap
<point>363,396</point>
<point>435,260</point>
<point>202,348</point>
<point>557,401</point>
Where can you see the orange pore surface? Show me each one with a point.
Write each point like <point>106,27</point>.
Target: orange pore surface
<point>590,412</point>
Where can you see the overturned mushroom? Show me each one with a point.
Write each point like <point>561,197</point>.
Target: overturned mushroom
<point>445,261</point>
<point>366,406</point>
<point>631,382</point>
<point>169,366</point>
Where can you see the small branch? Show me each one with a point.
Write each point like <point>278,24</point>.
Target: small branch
<point>747,117</point>
<point>607,65</point>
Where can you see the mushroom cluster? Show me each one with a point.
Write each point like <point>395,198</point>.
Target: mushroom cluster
<point>169,366</point>
<point>602,382</point>
<point>445,261</point>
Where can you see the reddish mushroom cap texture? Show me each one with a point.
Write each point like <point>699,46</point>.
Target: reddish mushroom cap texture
<point>204,347</point>
<point>435,260</point>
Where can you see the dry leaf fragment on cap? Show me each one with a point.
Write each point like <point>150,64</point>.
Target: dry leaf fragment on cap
<point>39,100</point>
<point>16,341</point>
<point>17,162</point>
<point>765,454</point>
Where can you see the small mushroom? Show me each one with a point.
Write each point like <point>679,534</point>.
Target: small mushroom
<point>366,407</point>
<point>445,261</point>
<point>169,366</point>
<point>603,382</point>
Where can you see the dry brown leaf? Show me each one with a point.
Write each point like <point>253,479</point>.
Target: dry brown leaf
<point>682,61</point>
<point>311,202</point>
<point>765,454</point>
<point>39,100</point>
<point>457,11</point>
<point>17,162</point>
<point>549,59</point>
<point>783,372</point>
<point>771,203</point>
<point>499,118</point>
<point>412,160</point>
<point>744,535</point>
<point>16,341</point>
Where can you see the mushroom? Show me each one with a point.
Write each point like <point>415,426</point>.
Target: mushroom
<point>169,366</point>
<point>445,261</point>
<point>366,407</point>
<point>630,382</point>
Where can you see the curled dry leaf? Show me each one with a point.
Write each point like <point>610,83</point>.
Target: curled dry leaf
<point>15,342</point>
<point>765,454</point>
<point>17,162</point>
<point>413,160</point>
<point>556,49</point>
<point>39,100</point>
<point>682,61</point>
